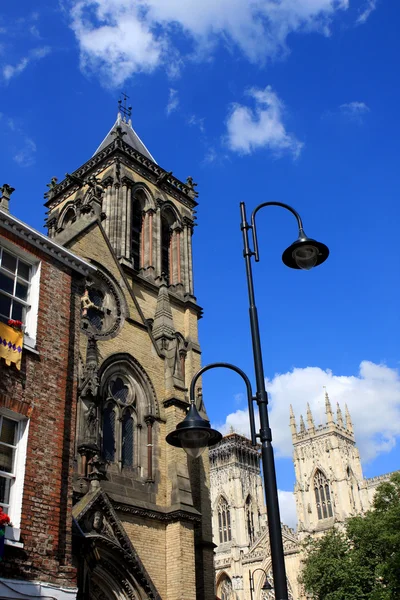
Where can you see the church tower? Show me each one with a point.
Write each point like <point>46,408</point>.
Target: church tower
<point>238,508</point>
<point>329,481</point>
<point>141,507</point>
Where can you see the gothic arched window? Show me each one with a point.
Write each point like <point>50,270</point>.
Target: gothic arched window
<point>225,589</point>
<point>322,496</point>
<point>165,247</point>
<point>224,521</point>
<point>136,233</point>
<point>118,422</point>
<point>69,217</point>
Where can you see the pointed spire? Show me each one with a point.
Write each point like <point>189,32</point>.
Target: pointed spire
<point>349,424</point>
<point>310,420</point>
<point>339,415</point>
<point>163,325</point>
<point>293,426</point>
<point>302,425</point>
<point>328,408</point>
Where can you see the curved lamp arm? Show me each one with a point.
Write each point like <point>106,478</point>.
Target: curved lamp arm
<point>243,375</point>
<point>253,222</point>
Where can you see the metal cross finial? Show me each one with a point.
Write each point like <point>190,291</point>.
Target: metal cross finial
<point>123,109</point>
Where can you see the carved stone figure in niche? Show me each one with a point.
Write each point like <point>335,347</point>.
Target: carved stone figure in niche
<point>90,429</point>
<point>98,522</point>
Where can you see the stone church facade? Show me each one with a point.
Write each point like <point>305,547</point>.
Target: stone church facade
<point>141,517</point>
<point>329,488</point>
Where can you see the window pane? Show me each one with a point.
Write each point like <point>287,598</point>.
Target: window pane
<point>109,434</point>
<point>96,296</point>
<point>4,491</point>
<point>21,291</point>
<point>17,311</point>
<point>9,261</point>
<point>127,440</point>
<point>24,270</point>
<point>6,458</point>
<point>119,390</point>
<point>8,431</point>
<point>5,305</point>
<point>6,283</point>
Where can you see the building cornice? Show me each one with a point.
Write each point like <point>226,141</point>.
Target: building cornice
<point>139,163</point>
<point>45,244</point>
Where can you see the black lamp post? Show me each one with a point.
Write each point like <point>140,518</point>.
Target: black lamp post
<point>266,585</point>
<point>194,433</point>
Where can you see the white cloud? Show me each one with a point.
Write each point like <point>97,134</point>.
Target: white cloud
<point>287,507</point>
<point>10,71</point>
<point>366,12</point>
<point>173,101</point>
<point>22,147</point>
<point>354,111</point>
<point>26,155</point>
<point>354,108</point>
<point>373,398</point>
<point>196,122</point>
<point>262,127</point>
<point>121,37</point>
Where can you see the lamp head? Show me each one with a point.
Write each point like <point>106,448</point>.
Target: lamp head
<point>305,253</point>
<point>194,434</point>
<point>266,585</point>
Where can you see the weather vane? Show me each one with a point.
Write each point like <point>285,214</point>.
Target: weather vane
<point>123,109</point>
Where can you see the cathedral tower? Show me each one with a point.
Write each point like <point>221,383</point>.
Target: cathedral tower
<point>142,508</point>
<point>238,508</point>
<point>329,481</point>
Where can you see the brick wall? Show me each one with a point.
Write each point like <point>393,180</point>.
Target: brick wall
<point>45,391</point>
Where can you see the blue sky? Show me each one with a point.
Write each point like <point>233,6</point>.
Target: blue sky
<point>289,100</point>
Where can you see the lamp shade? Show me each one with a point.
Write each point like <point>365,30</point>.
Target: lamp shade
<point>305,253</point>
<point>194,434</point>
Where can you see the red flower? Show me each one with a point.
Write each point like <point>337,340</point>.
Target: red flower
<point>4,518</point>
<point>15,323</point>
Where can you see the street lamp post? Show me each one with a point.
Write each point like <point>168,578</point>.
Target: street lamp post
<point>266,584</point>
<point>195,432</point>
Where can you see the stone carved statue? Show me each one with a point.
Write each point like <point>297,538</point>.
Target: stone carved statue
<point>95,186</point>
<point>190,183</point>
<point>98,522</point>
<point>90,428</point>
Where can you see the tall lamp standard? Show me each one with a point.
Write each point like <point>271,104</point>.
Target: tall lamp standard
<point>266,585</point>
<point>194,434</point>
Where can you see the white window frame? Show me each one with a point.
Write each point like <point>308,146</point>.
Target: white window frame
<point>30,325</point>
<point>17,485</point>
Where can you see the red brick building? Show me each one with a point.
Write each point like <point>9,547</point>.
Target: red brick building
<point>40,284</point>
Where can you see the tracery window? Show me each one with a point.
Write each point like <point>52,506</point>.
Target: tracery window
<point>322,496</point>
<point>225,589</point>
<point>119,422</point>
<point>224,521</point>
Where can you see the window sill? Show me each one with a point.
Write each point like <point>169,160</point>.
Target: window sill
<point>13,544</point>
<point>30,348</point>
